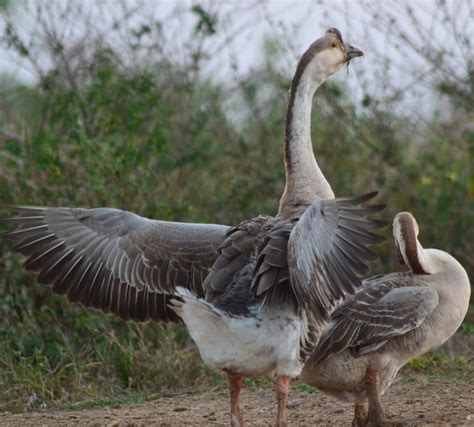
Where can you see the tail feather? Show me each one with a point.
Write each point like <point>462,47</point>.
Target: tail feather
<point>186,297</point>
<point>177,306</point>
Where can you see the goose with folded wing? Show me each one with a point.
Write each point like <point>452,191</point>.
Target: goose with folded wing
<point>393,318</point>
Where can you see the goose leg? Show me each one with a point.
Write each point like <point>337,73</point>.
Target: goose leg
<point>360,415</point>
<point>282,389</point>
<point>376,417</point>
<point>235,385</point>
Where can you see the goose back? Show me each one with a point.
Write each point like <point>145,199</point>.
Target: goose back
<point>387,306</point>
<point>308,262</point>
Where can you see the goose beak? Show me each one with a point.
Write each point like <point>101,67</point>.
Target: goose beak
<point>352,52</point>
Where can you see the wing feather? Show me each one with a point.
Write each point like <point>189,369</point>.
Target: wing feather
<point>328,251</point>
<point>114,260</point>
<point>385,308</point>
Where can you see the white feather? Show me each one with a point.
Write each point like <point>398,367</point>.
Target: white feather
<point>266,341</point>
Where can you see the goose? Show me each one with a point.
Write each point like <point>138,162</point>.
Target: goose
<point>252,296</point>
<point>393,318</point>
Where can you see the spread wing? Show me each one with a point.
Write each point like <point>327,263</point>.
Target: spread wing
<point>328,250</point>
<point>389,307</point>
<point>112,259</point>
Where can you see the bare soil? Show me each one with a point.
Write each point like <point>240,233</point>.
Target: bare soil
<point>429,402</point>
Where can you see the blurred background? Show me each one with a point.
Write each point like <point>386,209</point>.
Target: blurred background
<point>175,110</point>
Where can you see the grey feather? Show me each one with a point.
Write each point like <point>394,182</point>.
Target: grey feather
<point>103,257</point>
<point>328,251</point>
<point>386,307</point>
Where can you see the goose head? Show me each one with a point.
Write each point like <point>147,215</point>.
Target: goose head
<point>327,55</point>
<point>410,251</point>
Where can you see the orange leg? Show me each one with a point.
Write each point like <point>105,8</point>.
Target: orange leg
<point>360,415</point>
<point>282,389</point>
<point>376,417</point>
<point>235,385</point>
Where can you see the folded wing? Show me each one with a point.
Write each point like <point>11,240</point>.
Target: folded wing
<point>389,307</point>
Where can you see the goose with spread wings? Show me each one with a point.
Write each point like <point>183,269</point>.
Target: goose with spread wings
<point>246,293</point>
<point>253,296</point>
<point>393,318</point>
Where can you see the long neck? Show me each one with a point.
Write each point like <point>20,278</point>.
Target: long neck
<point>433,261</point>
<point>415,257</point>
<point>450,280</point>
<point>304,179</point>
<point>425,261</point>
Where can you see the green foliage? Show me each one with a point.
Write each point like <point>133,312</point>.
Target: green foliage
<point>302,387</point>
<point>206,21</point>
<point>440,364</point>
<point>80,148</point>
<point>68,354</point>
<point>155,139</point>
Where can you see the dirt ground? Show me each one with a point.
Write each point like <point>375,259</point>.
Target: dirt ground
<point>430,402</point>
